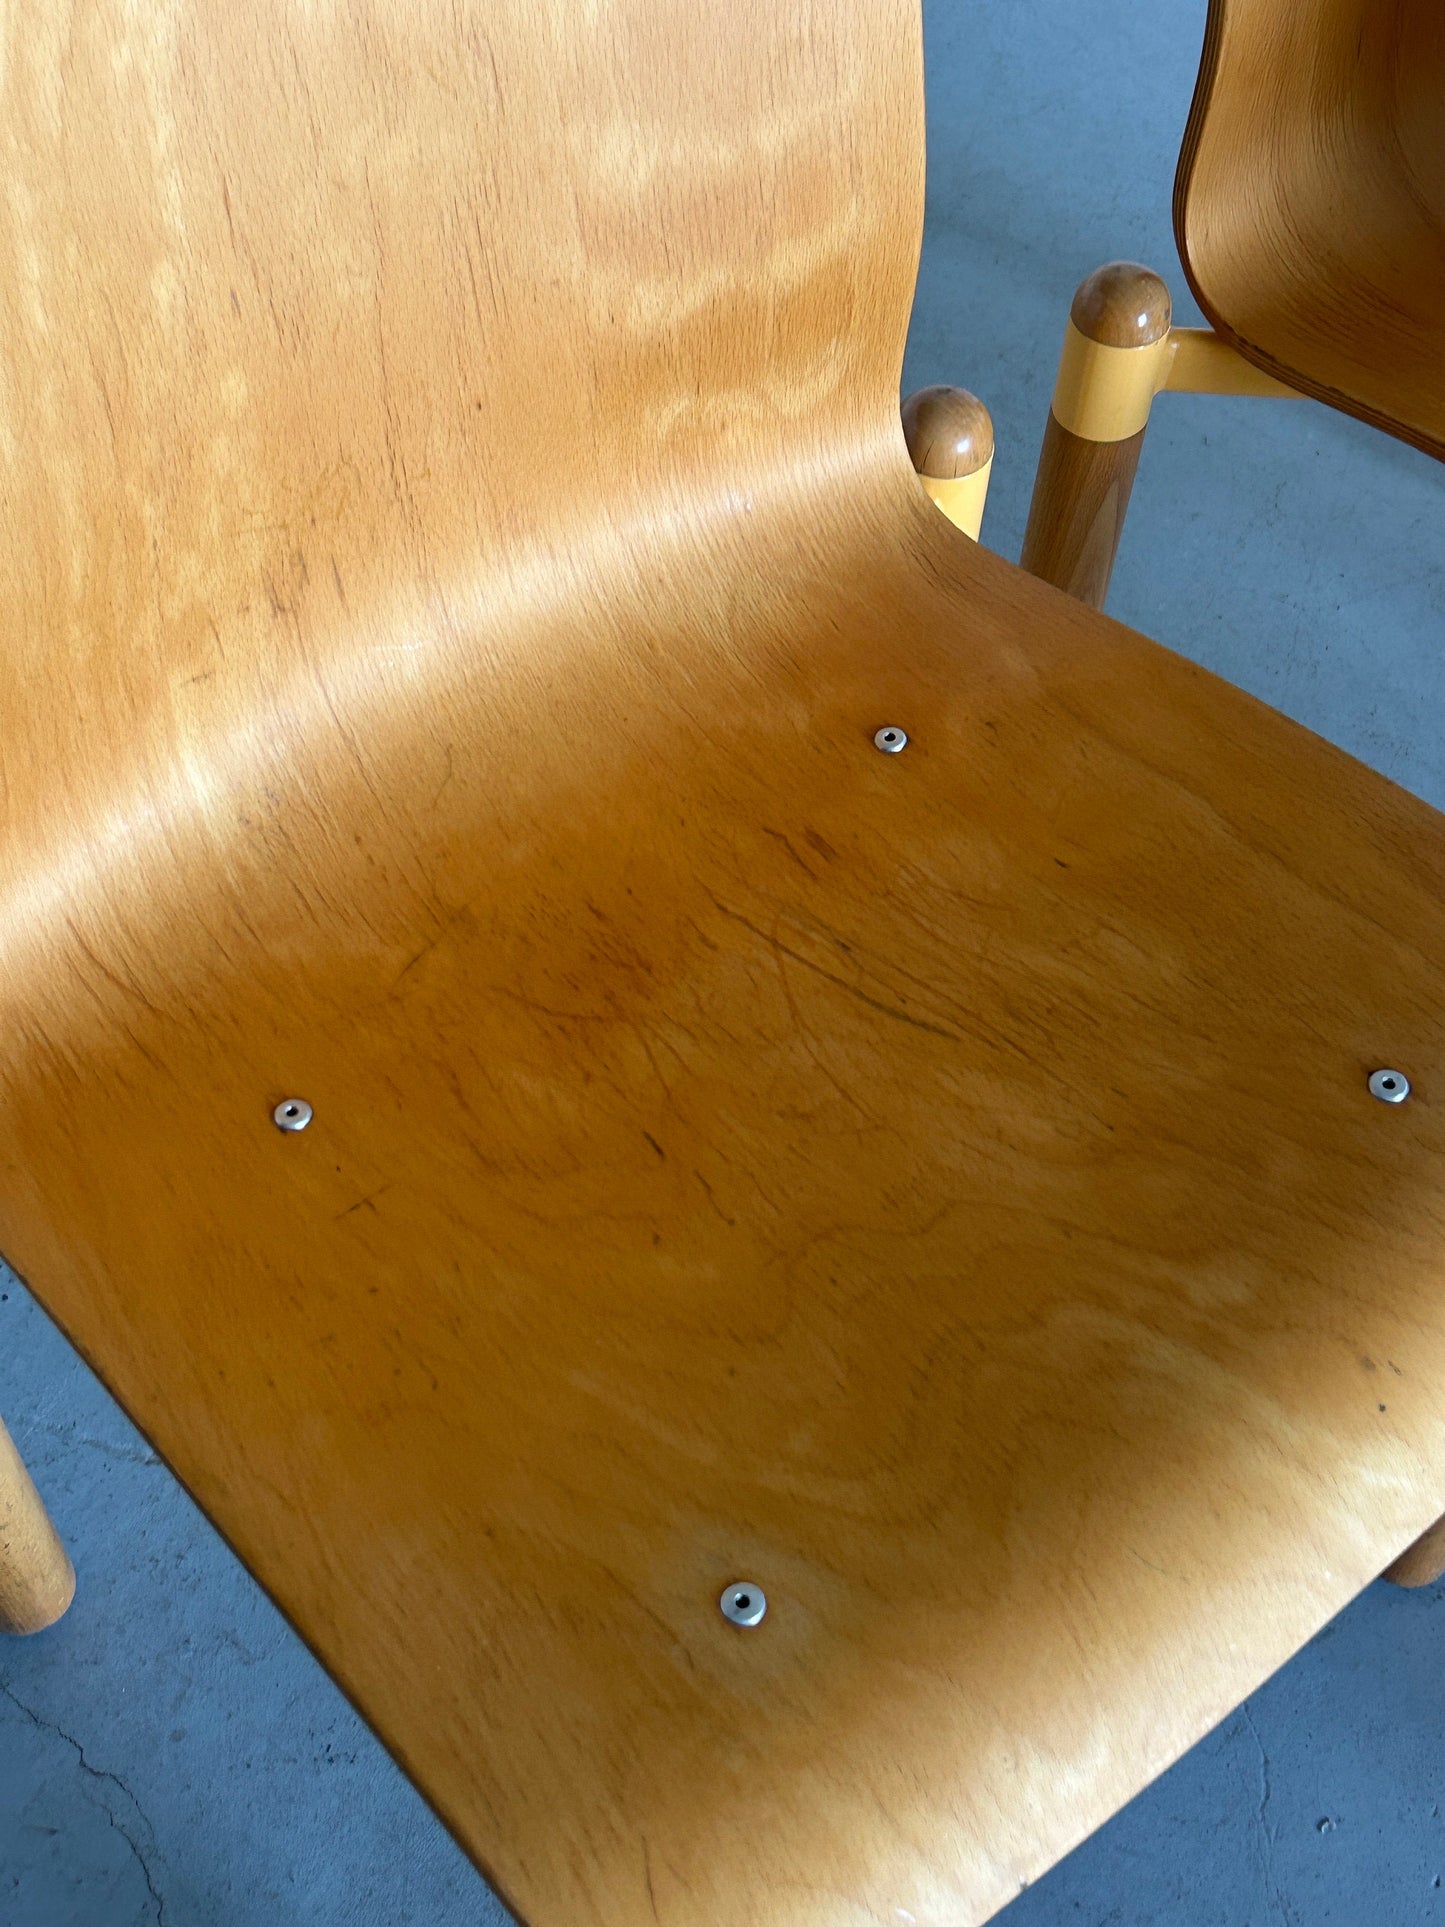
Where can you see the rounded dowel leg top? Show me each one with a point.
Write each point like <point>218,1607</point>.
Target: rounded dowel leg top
<point>1122,305</point>
<point>949,434</point>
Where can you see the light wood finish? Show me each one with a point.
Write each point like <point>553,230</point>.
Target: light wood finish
<point>459,545</point>
<point>37,1582</point>
<point>949,436</point>
<point>1424,1562</point>
<point>1310,201</point>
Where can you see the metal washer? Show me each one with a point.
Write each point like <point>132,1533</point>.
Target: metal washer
<point>292,1114</point>
<point>743,1604</point>
<point>1391,1087</point>
<point>890,740</point>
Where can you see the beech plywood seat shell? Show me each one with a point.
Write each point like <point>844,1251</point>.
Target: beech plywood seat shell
<point>1310,201</point>
<point>459,546</point>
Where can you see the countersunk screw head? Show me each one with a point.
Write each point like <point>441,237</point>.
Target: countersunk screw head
<point>292,1114</point>
<point>1391,1087</point>
<point>891,740</point>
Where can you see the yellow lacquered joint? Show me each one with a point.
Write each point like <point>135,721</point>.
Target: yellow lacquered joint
<point>962,497</point>
<point>1104,394</point>
<point>1199,363</point>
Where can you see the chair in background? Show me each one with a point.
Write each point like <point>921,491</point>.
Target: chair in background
<point>750,1160</point>
<point>1309,211</point>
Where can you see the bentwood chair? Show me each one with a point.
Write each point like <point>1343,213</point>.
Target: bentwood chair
<point>1309,211</point>
<point>741,1151</point>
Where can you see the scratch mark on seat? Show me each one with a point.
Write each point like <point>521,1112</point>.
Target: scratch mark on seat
<point>367,1201</point>
<point>853,990</point>
<point>411,964</point>
<point>111,976</point>
<point>647,1869</point>
<point>712,1200</point>
<point>778,837</point>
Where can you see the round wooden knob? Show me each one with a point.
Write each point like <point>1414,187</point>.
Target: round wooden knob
<point>1122,305</point>
<point>949,432</point>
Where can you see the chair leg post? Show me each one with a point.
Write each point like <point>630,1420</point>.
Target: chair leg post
<point>1115,357</point>
<point>1424,1562</point>
<point>37,1581</point>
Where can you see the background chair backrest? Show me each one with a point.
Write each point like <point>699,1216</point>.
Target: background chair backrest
<point>1310,203</point>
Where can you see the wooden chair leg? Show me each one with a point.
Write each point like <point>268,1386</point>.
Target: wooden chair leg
<point>949,434</point>
<point>1115,350</point>
<point>37,1581</point>
<point>1424,1562</point>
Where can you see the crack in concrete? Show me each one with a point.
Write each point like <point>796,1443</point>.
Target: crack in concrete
<point>101,1773</point>
<point>69,1436</point>
<point>1266,1793</point>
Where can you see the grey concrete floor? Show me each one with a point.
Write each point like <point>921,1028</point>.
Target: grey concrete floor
<point>170,1756</point>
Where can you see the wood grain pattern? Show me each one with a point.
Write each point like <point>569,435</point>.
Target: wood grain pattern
<point>1077,511</point>
<point>1122,305</point>
<point>37,1582</point>
<point>1309,206</point>
<point>458,546</point>
<point>948,433</point>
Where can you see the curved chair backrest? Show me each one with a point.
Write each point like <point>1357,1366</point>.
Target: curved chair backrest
<point>1310,201</point>
<point>328,312</point>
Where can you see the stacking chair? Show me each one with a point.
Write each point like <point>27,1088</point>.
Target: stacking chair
<point>1309,211</point>
<point>784,1188</point>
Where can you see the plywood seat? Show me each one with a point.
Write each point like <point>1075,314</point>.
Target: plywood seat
<point>461,549</point>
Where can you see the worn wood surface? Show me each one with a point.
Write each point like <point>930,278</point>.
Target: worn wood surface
<point>458,547</point>
<point>1310,201</point>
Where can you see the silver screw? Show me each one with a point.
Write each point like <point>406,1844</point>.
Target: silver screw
<point>1391,1087</point>
<point>743,1604</point>
<point>891,740</point>
<point>292,1114</point>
